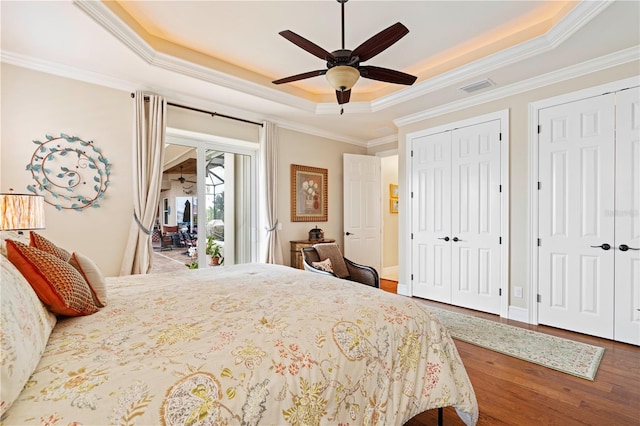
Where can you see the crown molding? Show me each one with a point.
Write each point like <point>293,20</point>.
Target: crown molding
<point>383,140</point>
<point>608,61</point>
<point>66,71</point>
<point>580,15</point>
<point>572,22</point>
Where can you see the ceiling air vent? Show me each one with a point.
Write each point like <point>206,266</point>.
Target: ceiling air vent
<point>477,85</point>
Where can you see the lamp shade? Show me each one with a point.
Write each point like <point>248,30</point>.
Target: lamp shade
<point>342,77</point>
<point>21,211</point>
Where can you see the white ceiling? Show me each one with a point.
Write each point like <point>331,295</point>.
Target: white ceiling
<point>223,55</point>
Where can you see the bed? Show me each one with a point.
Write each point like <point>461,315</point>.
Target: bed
<point>243,344</point>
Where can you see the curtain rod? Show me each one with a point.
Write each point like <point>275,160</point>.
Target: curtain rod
<point>213,114</point>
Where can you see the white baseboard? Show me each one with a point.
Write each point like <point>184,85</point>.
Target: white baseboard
<point>519,314</point>
<point>403,289</point>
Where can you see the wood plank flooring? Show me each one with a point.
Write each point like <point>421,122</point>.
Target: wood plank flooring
<point>515,392</point>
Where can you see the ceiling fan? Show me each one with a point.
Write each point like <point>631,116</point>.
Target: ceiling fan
<point>182,179</point>
<point>343,66</point>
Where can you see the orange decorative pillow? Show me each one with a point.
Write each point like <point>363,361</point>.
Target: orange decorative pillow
<point>93,276</point>
<point>40,242</point>
<point>60,287</point>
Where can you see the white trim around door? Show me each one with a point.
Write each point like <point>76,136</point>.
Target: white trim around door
<point>534,122</point>
<point>503,117</point>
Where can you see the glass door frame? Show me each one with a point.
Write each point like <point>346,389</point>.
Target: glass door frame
<point>203,142</point>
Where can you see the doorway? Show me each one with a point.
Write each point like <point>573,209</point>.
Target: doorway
<point>208,213</point>
<point>459,213</point>
<point>586,152</point>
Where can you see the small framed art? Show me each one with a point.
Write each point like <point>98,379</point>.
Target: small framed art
<point>393,190</point>
<point>308,194</point>
<point>393,205</point>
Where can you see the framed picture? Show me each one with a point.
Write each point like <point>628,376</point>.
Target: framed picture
<point>393,205</point>
<point>393,190</point>
<point>308,194</point>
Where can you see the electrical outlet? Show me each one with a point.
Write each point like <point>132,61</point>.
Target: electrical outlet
<point>517,292</point>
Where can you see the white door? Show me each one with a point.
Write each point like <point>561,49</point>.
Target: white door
<point>456,216</point>
<point>362,210</point>
<point>431,218</point>
<point>576,259</point>
<point>475,221</point>
<point>627,217</point>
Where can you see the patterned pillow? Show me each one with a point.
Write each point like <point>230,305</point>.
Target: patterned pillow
<point>93,276</point>
<point>40,242</point>
<point>26,326</point>
<point>324,265</point>
<point>60,287</point>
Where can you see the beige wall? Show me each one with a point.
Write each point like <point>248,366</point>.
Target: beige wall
<point>35,104</point>
<point>519,145</point>
<point>389,220</point>
<point>306,150</point>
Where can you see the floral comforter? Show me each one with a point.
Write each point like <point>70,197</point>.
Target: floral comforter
<point>246,344</point>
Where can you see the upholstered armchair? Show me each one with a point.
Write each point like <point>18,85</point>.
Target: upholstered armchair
<point>315,258</point>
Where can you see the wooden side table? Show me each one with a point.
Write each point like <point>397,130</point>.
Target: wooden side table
<point>297,246</point>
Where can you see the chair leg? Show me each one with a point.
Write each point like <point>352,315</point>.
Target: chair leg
<point>440,416</point>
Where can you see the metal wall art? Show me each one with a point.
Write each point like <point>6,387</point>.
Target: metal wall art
<point>69,172</point>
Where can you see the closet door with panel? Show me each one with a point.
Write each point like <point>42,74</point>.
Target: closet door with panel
<point>456,216</point>
<point>589,225</point>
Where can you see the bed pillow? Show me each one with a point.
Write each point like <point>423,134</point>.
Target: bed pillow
<point>40,242</point>
<point>12,235</point>
<point>60,287</point>
<point>324,265</point>
<point>26,326</point>
<point>92,275</point>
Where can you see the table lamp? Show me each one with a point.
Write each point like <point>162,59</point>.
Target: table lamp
<point>21,212</point>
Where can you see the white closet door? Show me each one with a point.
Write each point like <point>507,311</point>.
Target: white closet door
<point>576,164</point>
<point>627,217</point>
<point>475,224</point>
<point>431,217</point>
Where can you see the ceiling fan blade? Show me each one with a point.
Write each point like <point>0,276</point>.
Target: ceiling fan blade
<point>380,42</point>
<point>343,96</point>
<point>307,45</point>
<point>300,76</point>
<point>386,75</point>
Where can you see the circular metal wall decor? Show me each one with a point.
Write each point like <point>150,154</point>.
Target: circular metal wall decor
<point>71,173</point>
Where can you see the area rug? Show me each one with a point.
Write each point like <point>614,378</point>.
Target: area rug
<point>579,359</point>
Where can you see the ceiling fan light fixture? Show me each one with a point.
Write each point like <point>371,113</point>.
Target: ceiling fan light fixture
<point>342,77</point>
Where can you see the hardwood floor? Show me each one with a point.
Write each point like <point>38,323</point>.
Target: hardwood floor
<point>514,392</point>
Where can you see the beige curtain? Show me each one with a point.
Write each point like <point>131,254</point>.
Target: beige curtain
<point>269,187</point>
<point>148,159</point>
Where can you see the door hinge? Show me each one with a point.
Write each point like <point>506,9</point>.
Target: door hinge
<point>539,185</point>
<point>539,242</point>
<point>500,188</point>
<point>499,292</point>
<point>412,153</point>
<point>412,235</point>
<point>500,240</point>
<point>539,129</point>
<point>411,194</point>
<point>411,277</point>
<point>539,299</point>
<point>500,136</point>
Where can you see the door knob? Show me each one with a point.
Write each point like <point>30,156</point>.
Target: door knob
<point>624,247</point>
<point>349,233</point>
<point>456,239</point>
<point>444,238</point>
<point>604,246</point>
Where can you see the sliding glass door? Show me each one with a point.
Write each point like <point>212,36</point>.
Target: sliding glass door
<point>207,210</point>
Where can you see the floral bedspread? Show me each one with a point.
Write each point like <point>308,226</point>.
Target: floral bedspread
<point>246,344</point>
